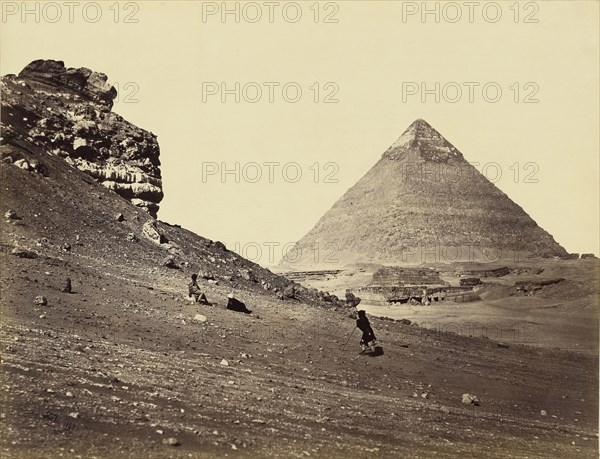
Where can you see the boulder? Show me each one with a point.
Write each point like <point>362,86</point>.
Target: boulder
<point>91,84</point>
<point>289,292</point>
<point>23,253</point>
<point>41,300</point>
<point>352,300</point>
<point>169,262</point>
<point>469,399</point>
<point>171,442</point>
<point>150,231</point>
<point>234,304</point>
<point>247,274</point>
<point>21,163</point>
<point>206,276</point>
<point>11,215</point>
<point>219,245</point>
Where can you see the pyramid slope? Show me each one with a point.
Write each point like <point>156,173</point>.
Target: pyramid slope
<point>423,202</point>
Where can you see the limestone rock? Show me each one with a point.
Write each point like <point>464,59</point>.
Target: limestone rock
<point>247,274</point>
<point>171,441</point>
<point>150,231</point>
<point>41,300</point>
<point>67,112</point>
<point>23,253</point>
<point>469,399</point>
<point>11,215</point>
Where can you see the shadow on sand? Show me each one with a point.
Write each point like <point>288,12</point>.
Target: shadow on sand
<point>376,352</point>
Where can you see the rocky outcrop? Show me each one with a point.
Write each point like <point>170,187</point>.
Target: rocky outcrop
<point>67,112</point>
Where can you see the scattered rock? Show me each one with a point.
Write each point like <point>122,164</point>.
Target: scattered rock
<point>150,231</point>
<point>119,217</point>
<point>41,300</point>
<point>131,237</point>
<point>247,274</point>
<point>289,292</point>
<point>169,262</point>
<point>39,167</point>
<point>66,247</point>
<point>22,253</point>
<point>225,363</point>
<point>74,415</point>
<point>543,413</point>
<point>22,164</point>
<point>352,300</point>
<point>206,276</point>
<point>11,215</point>
<point>469,399</point>
<point>503,345</point>
<point>405,321</point>
<point>171,441</point>
<point>200,318</point>
<point>79,143</point>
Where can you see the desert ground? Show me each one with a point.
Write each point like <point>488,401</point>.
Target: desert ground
<point>118,367</point>
<point>562,316</point>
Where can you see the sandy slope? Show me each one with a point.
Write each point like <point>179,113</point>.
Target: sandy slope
<point>135,363</point>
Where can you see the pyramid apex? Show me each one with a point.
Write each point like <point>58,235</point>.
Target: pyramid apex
<point>423,139</point>
<point>420,121</point>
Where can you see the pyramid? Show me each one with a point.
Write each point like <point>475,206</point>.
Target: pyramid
<point>422,202</point>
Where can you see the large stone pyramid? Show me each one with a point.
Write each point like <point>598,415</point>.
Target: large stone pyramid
<point>422,202</point>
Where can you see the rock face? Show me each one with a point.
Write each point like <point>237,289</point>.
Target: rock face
<point>67,112</point>
<point>422,202</point>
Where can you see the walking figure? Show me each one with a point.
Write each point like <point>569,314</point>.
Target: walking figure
<point>367,342</point>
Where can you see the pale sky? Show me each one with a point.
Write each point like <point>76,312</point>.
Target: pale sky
<point>372,61</point>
